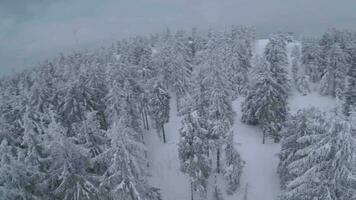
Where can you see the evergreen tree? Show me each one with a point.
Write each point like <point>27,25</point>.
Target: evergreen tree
<point>193,150</point>
<point>233,165</point>
<point>90,136</point>
<point>159,107</point>
<point>300,79</point>
<point>266,102</point>
<point>350,91</point>
<point>16,180</point>
<point>125,177</point>
<point>312,58</point>
<point>303,123</point>
<point>220,114</point>
<point>323,167</point>
<point>276,55</point>
<point>333,80</point>
<point>68,163</point>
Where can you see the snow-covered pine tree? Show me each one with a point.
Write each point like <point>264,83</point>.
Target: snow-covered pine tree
<point>304,122</point>
<point>323,168</point>
<point>90,136</point>
<point>193,152</point>
<point>233,165</point>
<point>266,102</point>
<point>77,100</point>
<point>112,101</point>
<point>300,79</point>
<point>67,175</point>
<point>236,57</point>
<point>16,180</point>
<point>121,179</point>
<point>276,54</point>
<point>159,107</point>
<point>220,114</point>
<point>173,65</point>
<point>350,90</point>
<point>333,79</point>
<point>125,177</point>
<point>296,56</point>
<point>312,58</point>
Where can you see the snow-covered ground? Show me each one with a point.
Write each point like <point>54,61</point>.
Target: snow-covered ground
<point>164,161</point>
<point>314,99</point>
<point>260,171</point>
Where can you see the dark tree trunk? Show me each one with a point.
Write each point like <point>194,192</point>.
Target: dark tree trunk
<point>146,119</point>
<point>191,191</point>
<point>143,119</point>
<point>263,138</point>
<point>218,161</point>
<point>164,134</point>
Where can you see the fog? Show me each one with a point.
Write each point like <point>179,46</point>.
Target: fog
<point>31,31</point>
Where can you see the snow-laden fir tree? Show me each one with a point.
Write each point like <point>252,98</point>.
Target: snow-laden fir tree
<point>266,102</point>
<point>220,113</point>
<point>77,100</point>
<point>16,180</point>
<point>67,176</point>
<point>233,165</point>
<point>236,57</point>
<point>125,176</point>
<point>312,58</point>
<point>158,103</point>
<point>90,136</point>
<point>333,79</point>
<point>323,168</point>
<point>174,67</point>
<point>350,90</point>
<point>276,55</point>
<point>193,152</point>
<point>304,122</point>
<point>300,79</point>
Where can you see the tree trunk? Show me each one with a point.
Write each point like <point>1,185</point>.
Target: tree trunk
<point>263,138</point>
<point>178,103</point>
<point>218,161</point>
<point>146,119</point>
<point>164,134</point>
<point>191,191</point>
<point>143,119</point>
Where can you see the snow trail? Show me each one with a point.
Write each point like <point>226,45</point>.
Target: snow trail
<point>260,171</point>
<point>164,161</point>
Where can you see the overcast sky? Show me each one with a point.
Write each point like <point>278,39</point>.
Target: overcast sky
<point>32,30</point>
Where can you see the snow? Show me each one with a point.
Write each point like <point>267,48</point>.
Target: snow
<point>260,46</point>
<point>314,99</point>
<point>164,161</point>
<point>260,172</point>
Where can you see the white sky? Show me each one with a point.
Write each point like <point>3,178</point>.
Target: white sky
<point>32,30</point>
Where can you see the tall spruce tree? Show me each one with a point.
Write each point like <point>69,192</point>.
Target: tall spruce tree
<point>159,108</point>
<point>323,166</point>
<point>193,152</point>
<point>333,80</point>
<point>350,91</point>
<point>266,102</point>
<point>276,55</point>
